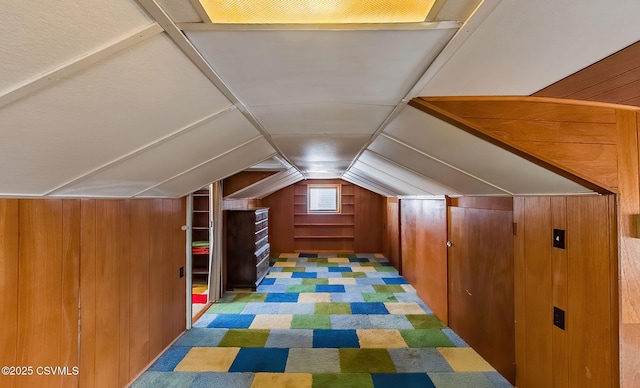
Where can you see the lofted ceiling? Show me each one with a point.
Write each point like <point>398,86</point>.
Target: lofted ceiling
<point>149,98</point>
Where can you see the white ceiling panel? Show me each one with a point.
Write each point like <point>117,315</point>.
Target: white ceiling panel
<point>315,152</point>
<point>268,185</point>
<point>180,11</point>
<point>477,157</point>
<point>38,36</point>
<point>524,45</point>
<point>219,168</point>
<point>321,118</point>
<point>432,169</point>
<point>166,159</point>
<point>269,67</point>
<point>99,115</point>
<point>379,176</point>
<point>356,180</point>
<point>375,161</point>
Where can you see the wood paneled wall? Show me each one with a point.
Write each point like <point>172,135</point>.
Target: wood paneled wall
<point>112,264</point>
<point>481,277</point>
<point>423,225</point>
<point>357,229</point>
<point>577,279</point>
<point>615,79</point>
<point>391,231</point>
<point>574,139</point>
<point>629,234</point>
<point>246,203</point>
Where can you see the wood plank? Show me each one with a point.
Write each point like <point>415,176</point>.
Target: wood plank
<point>629,204</point>
<point>368,216</point>
<point>124,257</point>
<point>547,131</point>
<point>538,293</point>
<point>69,314</point>
<point>559,270</point>
<point>606,90</point>
<point>495,203</point>
<point>630,332</point>
<point>40,287</point>
<point>424,252</point>
<point>108,294</point>
<point>597,162</point>
<point>88,293</point>
<point>9,254</point>
<point>408,235</point>
<point>281,219</point>
<point>614,281</point>
<point>168,289</point>
<point>481,273</point>
<point>391,231</point>
<point>156,285</point>
<point>518,108</point>
<point>588,319</point>
<point>139,285</point>
<point>520,288</point>
<point>177,218</point>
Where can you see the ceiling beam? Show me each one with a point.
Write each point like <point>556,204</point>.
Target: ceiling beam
<point>484,9</point>
<point>78,64</point>
<point>320,27</point>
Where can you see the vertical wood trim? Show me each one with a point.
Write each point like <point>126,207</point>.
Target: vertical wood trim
<point>40,291</point>
<point>107,292</point>
<point>560,296</point>
<point>614,295</point>
<point>155,280</point>
<point>538,299</point>
<point>88,293</point>
<point>629,247</point>
<point>367,218</point>
<point>124,273</point>
<point>9,254</point>
<point>139,286</point>
<point>69,337</point>
<point>520,290</point>
<point>589,318</point>
<point>167,271</point>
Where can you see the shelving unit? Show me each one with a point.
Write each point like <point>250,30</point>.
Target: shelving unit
<point>324,232</point>
<point>201,241</point>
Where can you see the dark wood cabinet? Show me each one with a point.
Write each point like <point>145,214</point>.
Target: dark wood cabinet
<point>247,247</point>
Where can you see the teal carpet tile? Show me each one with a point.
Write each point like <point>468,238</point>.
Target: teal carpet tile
<point>322,320</point>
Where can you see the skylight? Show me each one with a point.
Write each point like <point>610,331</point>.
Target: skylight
<point>316,11</point>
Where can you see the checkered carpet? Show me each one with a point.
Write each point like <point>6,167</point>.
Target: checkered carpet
<point>322,321</point>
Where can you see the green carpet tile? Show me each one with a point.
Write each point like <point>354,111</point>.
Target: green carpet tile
<point>322,321</point>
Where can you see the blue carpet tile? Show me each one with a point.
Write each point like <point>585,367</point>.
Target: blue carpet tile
<point>322,321</point>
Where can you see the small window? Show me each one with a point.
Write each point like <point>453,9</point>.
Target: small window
<point>323,198</point>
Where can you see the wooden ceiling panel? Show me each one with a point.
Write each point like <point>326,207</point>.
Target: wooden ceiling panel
<point>614,79</point>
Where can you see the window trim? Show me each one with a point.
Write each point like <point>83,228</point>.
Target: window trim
<point>338,190</point>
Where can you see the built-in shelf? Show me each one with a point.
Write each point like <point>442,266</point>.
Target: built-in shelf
<point>199,271</point>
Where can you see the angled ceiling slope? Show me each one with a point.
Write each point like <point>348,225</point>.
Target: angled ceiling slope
<point>461,163</point>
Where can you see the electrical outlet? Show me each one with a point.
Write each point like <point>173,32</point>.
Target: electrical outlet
<point>558,238</point>
<point>181,272</point>
<point>558,317</point>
